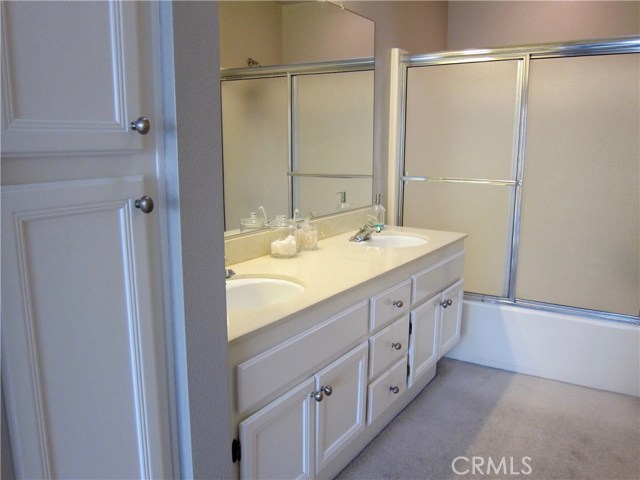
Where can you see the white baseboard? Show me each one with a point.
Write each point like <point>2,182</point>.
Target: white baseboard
<point>583,351</point>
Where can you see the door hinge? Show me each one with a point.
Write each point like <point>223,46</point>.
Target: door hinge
<point>235,451</point>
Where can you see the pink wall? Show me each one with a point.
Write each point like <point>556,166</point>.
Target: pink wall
<point>498,24</point>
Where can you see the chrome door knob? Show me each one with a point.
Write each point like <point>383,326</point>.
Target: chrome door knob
<point>145,204</point>
<point>142,125</point>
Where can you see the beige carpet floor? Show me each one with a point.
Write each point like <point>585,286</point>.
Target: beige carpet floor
<point>485,423</point>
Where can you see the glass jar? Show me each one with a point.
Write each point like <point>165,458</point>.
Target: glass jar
<point>308,236</point>
<point>282,238</point>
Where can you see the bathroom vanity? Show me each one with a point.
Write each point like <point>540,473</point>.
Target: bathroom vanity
<point>316,377</point>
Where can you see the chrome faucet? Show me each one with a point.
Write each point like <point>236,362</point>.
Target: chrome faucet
<point>228,272</point>
<point>364,233</point>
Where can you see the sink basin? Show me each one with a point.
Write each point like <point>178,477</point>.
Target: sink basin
<point>394,241</point>
<point>256,292</point>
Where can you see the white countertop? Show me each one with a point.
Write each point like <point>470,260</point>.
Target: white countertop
<point>336,266</point>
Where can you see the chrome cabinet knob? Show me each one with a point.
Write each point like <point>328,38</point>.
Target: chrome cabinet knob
<point>145,204</point>
<point>446,303</point>
<point>319,395</point>
<point>398,303</point>
<point>142,125</point>
<point>394,389</point>
<point>397,345</point>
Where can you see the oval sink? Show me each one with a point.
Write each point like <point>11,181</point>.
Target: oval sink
<point>394,241</point>
<point>258,292</point>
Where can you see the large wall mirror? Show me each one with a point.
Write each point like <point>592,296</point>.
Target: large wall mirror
<point>297,110</point>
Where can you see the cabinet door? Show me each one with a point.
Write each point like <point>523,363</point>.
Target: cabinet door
<point>451,317</point>
<point>71,76</point>
<point>82,362</point>
<point>340,417</point>
<point>423,341</point>
<point>277,441</point>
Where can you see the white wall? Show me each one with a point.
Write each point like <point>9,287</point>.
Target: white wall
<point>196,230</point>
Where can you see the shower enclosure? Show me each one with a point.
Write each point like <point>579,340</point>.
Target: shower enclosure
<point>535,153</point>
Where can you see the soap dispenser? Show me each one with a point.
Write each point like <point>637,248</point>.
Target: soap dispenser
<point>343,205</point>
<point>378,213</point>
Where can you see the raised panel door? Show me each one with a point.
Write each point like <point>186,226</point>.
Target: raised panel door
<point>423,341</point>
<point>71,76</point>
<point>277,441</point>
<point>451,316</point>
<point>82,361</point>
<point>340,417</point>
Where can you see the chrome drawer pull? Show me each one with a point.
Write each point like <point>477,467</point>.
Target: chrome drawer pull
<point>398,303</point>
<point>397,345</point>
<point>394,389</point>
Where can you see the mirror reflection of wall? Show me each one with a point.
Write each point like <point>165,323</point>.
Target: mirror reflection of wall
<point>296,135</point>
<point>285,33</point>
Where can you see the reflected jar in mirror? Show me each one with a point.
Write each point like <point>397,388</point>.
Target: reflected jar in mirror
<point>252,222</point>
<point>282,237</point>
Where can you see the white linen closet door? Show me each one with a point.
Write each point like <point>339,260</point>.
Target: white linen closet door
<point>84,369</point>
<point>71,76</point>
<point>78,333</point>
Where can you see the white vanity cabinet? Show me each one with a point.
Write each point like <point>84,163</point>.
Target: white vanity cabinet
<point>298,434</point>
<point>313,390</point>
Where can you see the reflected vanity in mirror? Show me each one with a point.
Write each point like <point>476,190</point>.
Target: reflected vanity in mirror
<point>298,128</point>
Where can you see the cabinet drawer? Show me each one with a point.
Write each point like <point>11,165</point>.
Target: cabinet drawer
<point>388,345</point>
<point>435,278</point>
<point>390,304</point>
<point>382,392</point>
<point>264,375</point>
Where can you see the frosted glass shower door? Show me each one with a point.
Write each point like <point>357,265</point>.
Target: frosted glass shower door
<point>461,144</point>
<point>332,140</point>
<point>580,232</point>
